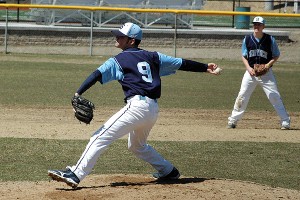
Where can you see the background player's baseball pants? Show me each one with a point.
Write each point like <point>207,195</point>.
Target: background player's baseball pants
<point>136,118</point>
<point>249,83</point>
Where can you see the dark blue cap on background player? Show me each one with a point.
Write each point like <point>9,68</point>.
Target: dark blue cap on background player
<point>130,30</point>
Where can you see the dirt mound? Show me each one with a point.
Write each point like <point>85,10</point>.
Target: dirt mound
<point>144,187</point>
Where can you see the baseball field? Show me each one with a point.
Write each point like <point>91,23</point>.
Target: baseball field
<point>38,132</point>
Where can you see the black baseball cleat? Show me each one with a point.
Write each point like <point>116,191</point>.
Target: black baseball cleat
<point>66,176</point>
<point>173,175</point>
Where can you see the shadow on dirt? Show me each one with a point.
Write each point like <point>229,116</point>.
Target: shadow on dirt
<point>145,183</point>
<point>178,181</point>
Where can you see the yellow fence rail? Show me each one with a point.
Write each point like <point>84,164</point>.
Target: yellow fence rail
<point>174,11</point>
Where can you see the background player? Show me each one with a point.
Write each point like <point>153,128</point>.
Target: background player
<point>138,71</point>
<point>259,48</point>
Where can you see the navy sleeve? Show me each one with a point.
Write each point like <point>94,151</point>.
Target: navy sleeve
<point>90,81</point>
<point>193,66</point>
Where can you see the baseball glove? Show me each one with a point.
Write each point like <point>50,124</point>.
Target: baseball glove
<point>83,109</point>
<point>260,69</point>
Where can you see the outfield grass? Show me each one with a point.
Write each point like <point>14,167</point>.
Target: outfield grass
<point>34,82</point>
<point>50,81</point>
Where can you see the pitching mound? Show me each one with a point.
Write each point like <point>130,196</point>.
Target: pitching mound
<point>144,187</point>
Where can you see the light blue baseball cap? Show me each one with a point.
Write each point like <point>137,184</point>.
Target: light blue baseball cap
<point>130,30</point>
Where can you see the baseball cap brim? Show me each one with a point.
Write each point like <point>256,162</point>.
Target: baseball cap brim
<point>258,23</point>
<point>117,33</point>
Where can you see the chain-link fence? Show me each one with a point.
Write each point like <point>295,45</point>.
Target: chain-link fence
<point>273,6</point>
<point>276,6</point>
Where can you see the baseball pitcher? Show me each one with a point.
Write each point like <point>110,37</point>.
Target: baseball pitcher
<point>138,71</point>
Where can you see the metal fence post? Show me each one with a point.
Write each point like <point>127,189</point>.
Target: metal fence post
<point>91,33</point>
<point>6,27</point>
<point>175,35</point>
<point>233,16</point>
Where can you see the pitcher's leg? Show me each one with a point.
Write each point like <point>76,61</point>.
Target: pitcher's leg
<point>98,143</point>
<point>137,143</point>
<point>117,126</point>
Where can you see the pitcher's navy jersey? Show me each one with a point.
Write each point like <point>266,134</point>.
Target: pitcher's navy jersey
<point>139,71</point>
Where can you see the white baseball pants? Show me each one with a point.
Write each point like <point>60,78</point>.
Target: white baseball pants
<point>136,119</point>
<point>269,86</point>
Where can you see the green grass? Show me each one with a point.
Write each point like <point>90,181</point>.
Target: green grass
<point>273,164</point>
<point>45,83</point>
